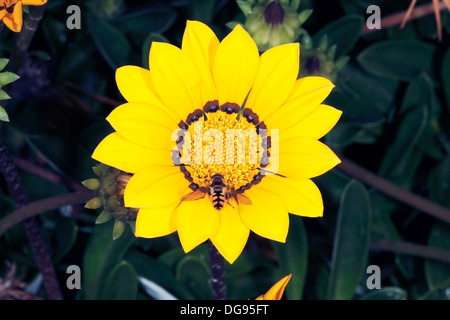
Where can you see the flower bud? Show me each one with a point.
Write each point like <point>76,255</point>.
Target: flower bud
<point>110,186</point>
<point>271,23</point>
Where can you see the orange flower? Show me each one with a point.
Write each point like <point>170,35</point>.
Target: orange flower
<point>276,292</point>
<point>11,12</point>
<point>437,9</point>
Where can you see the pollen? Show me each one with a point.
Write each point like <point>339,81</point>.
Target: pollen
<point>221,141</point>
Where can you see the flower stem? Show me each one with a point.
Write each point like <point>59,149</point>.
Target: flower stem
<point>32,230</point>
<point>32,209</point>
<point>424,205</point>
<point>217,269</point>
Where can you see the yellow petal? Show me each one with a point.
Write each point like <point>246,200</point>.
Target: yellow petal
<point>176,79</point>
<point>144,124</point>
<point>17,16</point>
<point>316,124</point>
<point>302,197</point>
<point>155,222</point>
<point>232,234</point>
<point>267,216</point>
<point>277,73</point>
<point>277,290</point>
<point>155,187</point>
<point>200,45</point>
<point>308,93</point>
<point>235,66</point>
<point>120,153</point>
<point>196,222</point>
<point>136,85</point>
<point>2,13</point>
<point>303,157</point>
<point>34,2</point>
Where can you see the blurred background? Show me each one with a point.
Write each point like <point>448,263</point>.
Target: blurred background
<point>387,205</point>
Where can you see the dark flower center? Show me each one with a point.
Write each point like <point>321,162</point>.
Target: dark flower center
<point>274,13</point>
<point>312,65</point>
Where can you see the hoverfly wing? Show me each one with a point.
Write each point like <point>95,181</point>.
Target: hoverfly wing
<point>242,199</point>
<point>195,195</point>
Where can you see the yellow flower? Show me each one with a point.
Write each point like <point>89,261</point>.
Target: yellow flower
<point>276,292</point>
<point>11,12</point>
<point>202,88</point>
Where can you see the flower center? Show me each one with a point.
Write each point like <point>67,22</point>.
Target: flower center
<point>222,141</point>
<point>274,13</point>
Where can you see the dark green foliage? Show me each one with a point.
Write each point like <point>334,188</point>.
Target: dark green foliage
<point>395,96</point>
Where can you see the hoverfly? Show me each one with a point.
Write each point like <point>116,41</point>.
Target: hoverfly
<point>218,192</point>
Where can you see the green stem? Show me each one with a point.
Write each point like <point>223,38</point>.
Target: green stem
<point>44,205</point>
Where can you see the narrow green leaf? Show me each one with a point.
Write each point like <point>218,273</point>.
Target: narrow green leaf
<point>118,229</point>
<point>398,59</point>
<point>103,217</point>
<point>438,273</point>
<point>121,283</point>
<point>8,77</point>
<point>387,293</point>
<point>101,255</point>
<point>4,95</point>
<point>439,182</point>
<point>401,156</point>
<point>293,258</point>
<point>351,242</point>
<point>3,115</point>
<point>343,32</point>
<point>245,6</point>
<point>3,63</point>
<point>304,15</point>
<point>110,41</point>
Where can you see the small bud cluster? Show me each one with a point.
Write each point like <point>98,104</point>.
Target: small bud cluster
<point>110,186</point>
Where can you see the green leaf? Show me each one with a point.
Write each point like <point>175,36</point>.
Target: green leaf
<point>401,157</point>
<point>3,115</point>
<point>438,273</point>
<point>147,46</point>
<point>157,272</point>
<point>118,229</point>
<point>139,24</point>
<point>343,32</point>
<point>121,283</point>
<point>4,95</point>
<point>439,182</point>
<point>193,272</point>
<point>293,258</point>
<point>387,293</point>
<point>398,59</point>
<point>351,242</point>
<point>64,238</point>
<point>445,75</point>
<point>7,77</point>
<point>245,6</point>
<point>3,63</point>
<point>111,42</point>
<point>420,92</point>
<point>101,255</point>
